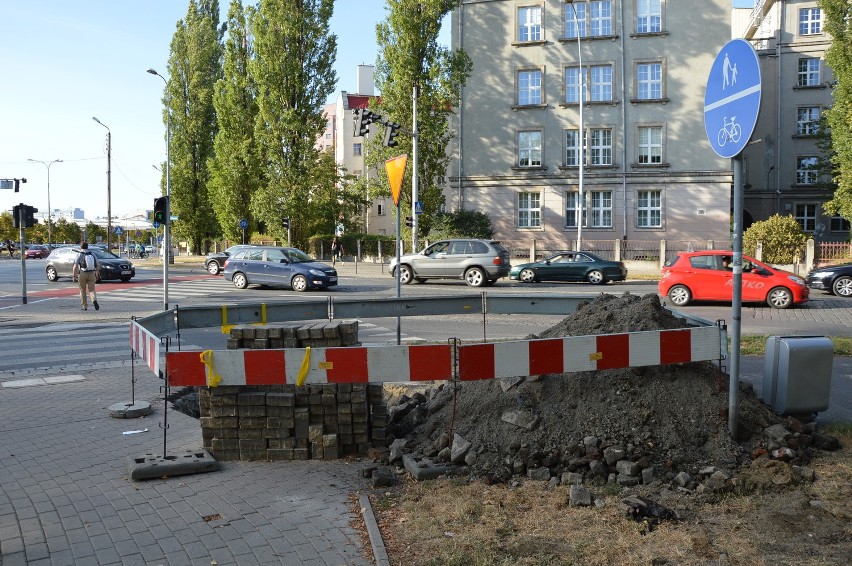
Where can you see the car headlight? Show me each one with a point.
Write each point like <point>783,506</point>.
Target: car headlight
<point>316,272</point>
<point>796,280</point>
<point>820,274</point>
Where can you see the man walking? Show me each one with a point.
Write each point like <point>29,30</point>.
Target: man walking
<point>86,272</point>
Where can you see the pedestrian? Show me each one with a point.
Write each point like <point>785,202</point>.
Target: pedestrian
<point>336,250</point>
<point>85,271</point>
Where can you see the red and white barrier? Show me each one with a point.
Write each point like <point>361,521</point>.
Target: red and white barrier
<point>146,345</point>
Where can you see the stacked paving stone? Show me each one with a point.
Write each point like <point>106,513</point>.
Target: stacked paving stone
<point>289,422</point>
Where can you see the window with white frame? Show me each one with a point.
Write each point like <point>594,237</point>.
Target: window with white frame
<point>600,146</point>
<point>808,71</point>
<point>810,21</point>
<point>529,210</point>
<point>807,120</point>
<point>601,209</point>
<point>529,23</point>
<point>356,149</point>
<point>649,81</point>
<point>839,224</point>
<point>529,87</point>
<point>649,16</point>
<point>575,19</point>
<point>650,140</point>
<point>601,83</point>
<point>573,88</point>
<point>529,148</point>
<point>572,148</point>
<point>649,211</point>
<point>806,170</point>
<point>593,18</point>
<point>572,209</point>
<point>600,17</point>
<point>381,209</point>
<point>806,216</point>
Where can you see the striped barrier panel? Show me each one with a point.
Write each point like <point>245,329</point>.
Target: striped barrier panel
<point>146,345</point>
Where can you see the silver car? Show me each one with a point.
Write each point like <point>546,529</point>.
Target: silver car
<point>478,262</point>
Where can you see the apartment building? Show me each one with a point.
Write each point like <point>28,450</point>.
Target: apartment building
<point>779,173</point>
<point>633,73</point>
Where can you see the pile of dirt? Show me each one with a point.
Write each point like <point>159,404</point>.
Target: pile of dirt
<point>633,426</point>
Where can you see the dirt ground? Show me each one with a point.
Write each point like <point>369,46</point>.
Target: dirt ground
<point>657,478</point>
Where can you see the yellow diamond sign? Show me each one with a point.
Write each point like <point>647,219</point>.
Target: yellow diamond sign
<point>396,169</point>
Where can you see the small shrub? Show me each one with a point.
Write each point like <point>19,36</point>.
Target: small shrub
<point>782,238</point>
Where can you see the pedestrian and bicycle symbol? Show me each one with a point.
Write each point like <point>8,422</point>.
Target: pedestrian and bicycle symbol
<point>732,98</point>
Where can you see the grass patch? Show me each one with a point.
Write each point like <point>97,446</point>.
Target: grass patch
<point>755,345</point>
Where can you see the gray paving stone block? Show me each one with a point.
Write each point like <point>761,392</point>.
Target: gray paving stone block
<point>154,466</point>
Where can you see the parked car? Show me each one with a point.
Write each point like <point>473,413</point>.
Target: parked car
<point>836,279</point>
<point>278,267</point>
<point>478,262</point>
<point>149,249</point>
<point>703,276</point>
<point>215,261</point>
<point>36,251</point>
<point>570,266</point>
<point>60,263</point>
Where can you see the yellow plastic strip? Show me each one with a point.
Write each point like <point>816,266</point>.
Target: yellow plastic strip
<point>213,378</point>
<point>262,314</point>
<point>306,365</point>
<point>226,328</point>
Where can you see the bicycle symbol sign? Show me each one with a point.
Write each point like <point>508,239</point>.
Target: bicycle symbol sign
<point>732,98</point>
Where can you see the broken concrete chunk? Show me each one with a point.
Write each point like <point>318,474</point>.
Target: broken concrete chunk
<point>579,496</point>
<point>459,449</point>
<point>523,419</point>
<point>507,383</point>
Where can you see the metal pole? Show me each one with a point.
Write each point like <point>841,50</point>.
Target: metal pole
<point>398,286</point>
<point>109,181</point>
<point>736,303</point>
<point>49,211</point>
<point>414,174</point>
<point>167,247</point>
<point>582,133</point>
<point>22,224</point>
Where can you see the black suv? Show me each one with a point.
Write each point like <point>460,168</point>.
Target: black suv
<point>214,262</point>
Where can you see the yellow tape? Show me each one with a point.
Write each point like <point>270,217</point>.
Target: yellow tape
<point>306,365</point>
<point>213,378</point>
<point>596,356</point>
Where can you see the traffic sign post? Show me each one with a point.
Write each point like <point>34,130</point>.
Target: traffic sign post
<point>731,108</point>
<point>243,226</point>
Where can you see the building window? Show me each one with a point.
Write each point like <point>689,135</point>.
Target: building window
<point>356,149</point>
<point>601,83</point>
<point>572,209</point>
<point>600,147</point>
<point>381,209</point>
<point>601,209</point>
<point>650,141</point>
<point>572,148</point>
<point>810,21</point>
<point>807,120</point>
<point>839,224</point>
<point>529,149</point>
<point>529,23</point>
<point>806,170</point>
<point>529,87</point>
<point>649,81</point>
<point>649,212</point>
<point>808,71</point>
<point>592,18</point>
<point>529,210</point>
<point>806,216</point>
<point>572,85</point>
<point>649,16</point>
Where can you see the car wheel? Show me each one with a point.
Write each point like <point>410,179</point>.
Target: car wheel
<point>406,276</point>
<point>527,276</point>
<point>842,286</point>
<point>489,282</point>
<point>779,298</point>
<point>299,283</point>
<point>125,279</point>
<point>420,279</point>
<point>596,277</point>
<point>475,277</point>
<point>240,280</point>
<point>679,295</point>
<point>51,274</point>
<point>213,268</point>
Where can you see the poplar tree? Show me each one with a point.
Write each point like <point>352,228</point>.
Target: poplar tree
<point>838,22</point>
<point>194,67</point>
<point>235,171</point>
<point>410,57</point>
<point>293,71</point>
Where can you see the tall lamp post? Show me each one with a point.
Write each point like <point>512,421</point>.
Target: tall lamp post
<point>109,181</point>
<point>47,164</point>
<point>581,141</point>
<point>167,246</point>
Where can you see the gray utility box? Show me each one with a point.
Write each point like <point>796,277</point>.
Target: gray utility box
<point>797,374</point>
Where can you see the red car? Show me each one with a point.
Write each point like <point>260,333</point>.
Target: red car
<point>36,251</point>
<point>704,276</point>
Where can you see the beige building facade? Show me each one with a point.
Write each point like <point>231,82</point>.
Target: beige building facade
<point>790,41</point>
<point>640,68</point>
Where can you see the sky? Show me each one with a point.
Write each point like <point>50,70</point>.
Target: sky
<point>64,62</point>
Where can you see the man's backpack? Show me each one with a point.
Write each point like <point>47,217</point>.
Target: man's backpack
<point>86,261</point>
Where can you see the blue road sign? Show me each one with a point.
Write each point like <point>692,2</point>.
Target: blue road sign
<point>243,223</point>
<point>118,230</point>
<point>155,224</point>
<point>732,98</point>
<point>138,233</point>
<point>418,207</point>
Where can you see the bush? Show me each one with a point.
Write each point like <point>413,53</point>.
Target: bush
<point>462,224</point>
<point>782,238</point>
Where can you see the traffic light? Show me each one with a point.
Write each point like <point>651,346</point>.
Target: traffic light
<point>29,216</point>
<point>285,223</point>
<point>363,119</point>
<point>16,216</point>
<point>409,221</point>
<point>391,131</point>
<point>161,210</point>
<point>18,183</point>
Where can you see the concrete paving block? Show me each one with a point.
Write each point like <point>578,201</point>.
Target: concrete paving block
<point>129,410</point>
<point>150,466</point>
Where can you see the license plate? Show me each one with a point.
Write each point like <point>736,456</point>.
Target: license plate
<point>126,272</point>
<point>332,279</point>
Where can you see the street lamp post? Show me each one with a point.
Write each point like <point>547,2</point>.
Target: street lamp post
<point>167,246</point>
<point>49,213</point>
<point>109,181</point>
<point>581,138</point>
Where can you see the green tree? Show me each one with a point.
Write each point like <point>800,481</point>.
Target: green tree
<point>235,170</point>
<point>782,239</point>
<point>94,232</point>
<point>7,229</point>
<point>462,224</point>
<point>65,231</point>
<point>194,67</point>
<point>294,74</point>
<point>838,23</point>
<point>410,58</point>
